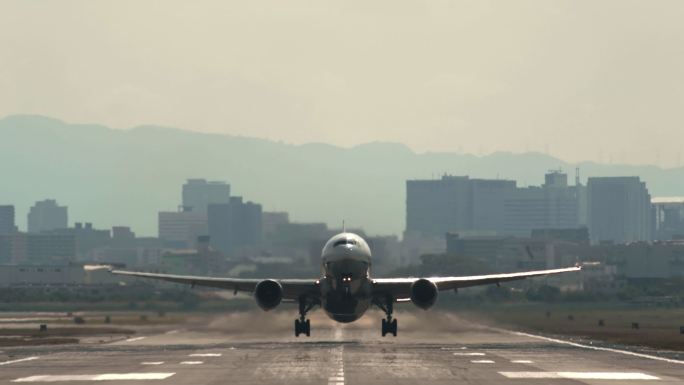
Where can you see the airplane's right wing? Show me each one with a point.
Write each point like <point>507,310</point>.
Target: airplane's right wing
<point>292,288</point>
<point>400,288</point>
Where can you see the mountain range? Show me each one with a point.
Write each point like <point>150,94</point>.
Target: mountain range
<point>124,177</point>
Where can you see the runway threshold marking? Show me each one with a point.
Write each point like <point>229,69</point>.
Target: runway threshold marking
<point>582,375</point>
<point>469,354</point>
<point>96,377</point>
<point>612,350</point>
<point>522,362</point>
<point>206,355</point>
<point>192,362</point>
<point>482,361</point>
<point>19,360</point>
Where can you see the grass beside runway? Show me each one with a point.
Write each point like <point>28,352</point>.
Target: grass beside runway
<point>651,327</point>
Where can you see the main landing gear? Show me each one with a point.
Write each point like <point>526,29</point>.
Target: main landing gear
<point>303,325</point>
<point>389,325</point>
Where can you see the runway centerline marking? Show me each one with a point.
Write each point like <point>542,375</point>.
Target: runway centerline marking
<point>135,339</point>
<point>583,375</point>
<point>482,361</point>
<point>192,362</point>
<point>152,363</point>
<point>96,377</point>
<point>612,350</point>
<point>19,360</point>
<point>468,354</point>
<point>206,355</point>
<point>522,362</point>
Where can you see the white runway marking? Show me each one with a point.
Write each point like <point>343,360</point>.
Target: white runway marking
<point>469,354</point>
<point>522,362</point>
<point>172,332</point>
<point>338,334</point>
<point>582,375</point>
<point>206,355</point>
<point>19,360</point>
<point>152,363</point>
<point>96,377</point>
<point>337,358</point>
<point>135,339</point>
<point>482,361</point>
<point>192,362</point>
<point>626,352</point>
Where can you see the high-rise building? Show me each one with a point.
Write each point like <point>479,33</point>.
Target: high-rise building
<point>198,194</point>
<point>180,229</point>
<point>669,218</point>
<point>554,205</point>
<point>46,216</point>
<point>7,225</point>
<point>271,221</point>
<point>489,207</point>
<point>233,225</point>
<point>220,226</point>
<point>620,210</point>
<point>435,207</point>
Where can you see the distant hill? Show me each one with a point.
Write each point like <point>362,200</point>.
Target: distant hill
<point>124,177</point>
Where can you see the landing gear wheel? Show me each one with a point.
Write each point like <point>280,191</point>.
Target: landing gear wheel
<point>303,325</point>
<point>298,328</point>
<point>389,324</point>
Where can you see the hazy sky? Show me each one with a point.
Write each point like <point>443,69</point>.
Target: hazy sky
<point>582,80</point>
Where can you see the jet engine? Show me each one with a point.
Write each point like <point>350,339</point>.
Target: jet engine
<point>268,294</point>
<point>423,293</point>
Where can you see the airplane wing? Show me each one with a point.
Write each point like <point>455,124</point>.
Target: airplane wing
<point>292,288</point>
<point>400,288</point>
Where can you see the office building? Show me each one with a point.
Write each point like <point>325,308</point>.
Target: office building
<point>620,210</point>
<point>455,203</point>
<point>490,207</point>
<point>180,229</point>
<point>234,225</point>
<point>198,194</point>
<point>46,216</point>
<point>7,225</point>
<point>669,218</point>
<point>553,205</point>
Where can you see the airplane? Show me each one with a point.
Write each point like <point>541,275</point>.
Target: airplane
<point>346,290</point>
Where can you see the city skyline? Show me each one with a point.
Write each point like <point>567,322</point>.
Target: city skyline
<point>114,176</point>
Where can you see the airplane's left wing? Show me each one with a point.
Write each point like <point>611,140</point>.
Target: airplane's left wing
<point>400,288</point>
<point>292,288</point>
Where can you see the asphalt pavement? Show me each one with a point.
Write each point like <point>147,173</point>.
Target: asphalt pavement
<point>260,348</point>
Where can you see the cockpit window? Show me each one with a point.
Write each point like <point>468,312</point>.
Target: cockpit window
<point>344,242</point>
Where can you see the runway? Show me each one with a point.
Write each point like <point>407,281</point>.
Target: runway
<point>259,348</point>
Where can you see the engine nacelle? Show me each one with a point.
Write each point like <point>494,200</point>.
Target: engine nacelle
<point>424,293</point>
<point>268,294</point>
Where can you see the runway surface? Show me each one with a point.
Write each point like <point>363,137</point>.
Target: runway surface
<point>259,348</point>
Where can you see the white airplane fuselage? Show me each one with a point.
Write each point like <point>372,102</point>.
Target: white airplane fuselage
<point>346,286</point>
